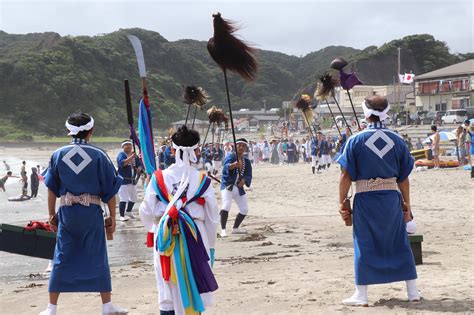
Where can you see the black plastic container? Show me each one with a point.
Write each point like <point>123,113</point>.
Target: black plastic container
<point>38,243</point>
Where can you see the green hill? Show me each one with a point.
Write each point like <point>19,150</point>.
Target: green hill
<point>44,76</point>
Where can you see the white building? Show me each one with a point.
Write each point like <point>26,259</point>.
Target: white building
<point>446,88</point>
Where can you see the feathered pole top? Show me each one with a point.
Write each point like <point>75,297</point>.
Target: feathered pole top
<point>348,80</point>
<point>304,104</point>
<point>229,52</point>
<point>216,116</point>
<point>326,87</point>
<point>195,95</point>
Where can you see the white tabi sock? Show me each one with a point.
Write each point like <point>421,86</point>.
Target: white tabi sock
<point>361,292</point>
<point>109,308</point>
<point>359,298</point>
<point>412,291</point>
<point>50,310</point>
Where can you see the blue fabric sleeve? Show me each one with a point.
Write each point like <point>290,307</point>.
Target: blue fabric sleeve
<point>347,159</point>
<point>406,163</point>
<point>110,180</point>
<point>51,178</point>
<point>228,177</point>
<point>120,158</point>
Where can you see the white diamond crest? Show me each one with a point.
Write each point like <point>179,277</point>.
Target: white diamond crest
<point>389,144</point>
<point>77,150</point>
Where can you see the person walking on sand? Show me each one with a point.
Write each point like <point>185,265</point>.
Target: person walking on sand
<point>236,174</point>
<point>82,176</point>
<point>183,253</point>
<point>435,146</point>
<point>379,162</point>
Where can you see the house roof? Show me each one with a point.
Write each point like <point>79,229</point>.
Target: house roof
<point>462,68</point>
<point>196,122</point>
<point>266,118</point>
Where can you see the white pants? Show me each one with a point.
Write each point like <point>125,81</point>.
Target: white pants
<point>217,165</point>
<point>241,201</point>
<point>314,160</point>
<point>325,159</point>
<point>209,167</point>
<point>128,193</point>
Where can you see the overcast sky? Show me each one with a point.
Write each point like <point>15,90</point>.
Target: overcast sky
<point>292,27</point>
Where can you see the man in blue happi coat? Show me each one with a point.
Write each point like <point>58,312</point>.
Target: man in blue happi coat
<point>82,176</point>
<point>235,175</point>
<point>314,153</point>
<point>379,162</point>
<point>169,156</point>
<point>129,165</point>
<point>217,156</point>
<point>324,150</point>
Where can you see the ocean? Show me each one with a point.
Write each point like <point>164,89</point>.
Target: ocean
<point>127,246</point>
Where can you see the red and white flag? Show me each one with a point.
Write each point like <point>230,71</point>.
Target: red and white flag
<point>406,78</point>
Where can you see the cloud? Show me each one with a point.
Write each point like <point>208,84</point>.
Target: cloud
<point>292,27</point>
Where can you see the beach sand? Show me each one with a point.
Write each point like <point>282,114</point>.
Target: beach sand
<point>298,255</point>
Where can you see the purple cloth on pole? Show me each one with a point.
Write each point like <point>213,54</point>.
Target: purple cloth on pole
<point>349,80</point>
<point>133,136</point>
<point>205,280</point>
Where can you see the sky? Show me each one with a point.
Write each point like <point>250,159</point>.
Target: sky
<point>292,27</point>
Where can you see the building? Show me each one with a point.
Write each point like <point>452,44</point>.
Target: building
<point>246,113</point>
<point>395,96</point>
<point>263,121</point>
<point>446,88</point>
<point>403,98</point>
<point>199,125</point>
<point>254,120</point>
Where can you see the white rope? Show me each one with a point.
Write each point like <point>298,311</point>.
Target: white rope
<point>74,130</point>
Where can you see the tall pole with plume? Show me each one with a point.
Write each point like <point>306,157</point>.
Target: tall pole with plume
<point>232,54</point>
<point>303,104</point>
<point>194,95</point>
<point>348,81</point>
<point>326,88</point>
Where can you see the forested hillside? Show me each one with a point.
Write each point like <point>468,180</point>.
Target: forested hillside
<point>44,76</point>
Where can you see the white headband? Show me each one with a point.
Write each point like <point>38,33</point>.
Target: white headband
<point>74,130</point>
<point>189,156</point>
<point>126,142</point>
<point>369,112</point>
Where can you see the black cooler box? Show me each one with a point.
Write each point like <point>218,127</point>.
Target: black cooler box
<point>37,243</point>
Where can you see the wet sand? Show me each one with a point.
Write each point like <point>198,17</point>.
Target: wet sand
<point>298,255</point>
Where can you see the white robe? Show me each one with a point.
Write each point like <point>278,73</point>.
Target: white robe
<point>206,218</point>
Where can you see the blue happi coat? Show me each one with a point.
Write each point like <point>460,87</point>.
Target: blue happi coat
<point>314,147</point>
<point>128,172</point>
<point>80,258</point>
<point>382,251</point>
<point>229,177</point>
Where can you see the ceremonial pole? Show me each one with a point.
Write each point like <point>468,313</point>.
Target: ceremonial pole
<point>231,53</point>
